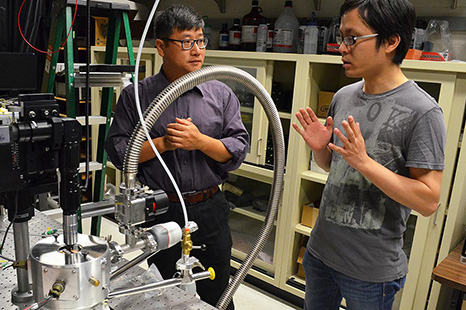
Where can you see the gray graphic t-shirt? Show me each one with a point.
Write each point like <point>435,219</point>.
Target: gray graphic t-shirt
<point>359,231</point>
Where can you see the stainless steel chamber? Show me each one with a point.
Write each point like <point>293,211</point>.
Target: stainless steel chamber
<point>83,270</point>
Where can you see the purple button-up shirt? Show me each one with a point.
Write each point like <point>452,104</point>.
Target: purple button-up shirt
<point>213,108</point>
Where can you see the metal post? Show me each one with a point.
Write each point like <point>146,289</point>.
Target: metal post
<point>22,293</point>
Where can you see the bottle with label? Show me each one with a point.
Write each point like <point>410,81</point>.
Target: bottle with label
<point>223,37</point>
<point>234,36</point>
<point>207,31</point>
<point>334,33</point>
<point>249,29</point>
<point>262,34</point>
<point>269,37</point>
<point>311,37</point>
<point>285,39</point>
<point>322,40</point>
<point>301,30</point>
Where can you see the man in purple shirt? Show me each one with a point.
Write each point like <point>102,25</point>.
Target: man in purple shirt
<point>200,136</point>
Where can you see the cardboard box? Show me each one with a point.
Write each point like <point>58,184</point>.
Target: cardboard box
<point>325,98</point>
<point>300,262</point>
<point>413,54</point>
<point>309,215</point>
<point>306,216</point>
<point>101,27</point>
<point>432,56</point>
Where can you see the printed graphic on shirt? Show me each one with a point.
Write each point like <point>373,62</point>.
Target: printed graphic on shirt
<point>350,199</point>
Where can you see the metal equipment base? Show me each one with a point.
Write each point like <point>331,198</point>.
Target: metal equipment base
<point>173,298</point>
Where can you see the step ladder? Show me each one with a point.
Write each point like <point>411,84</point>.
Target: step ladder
<point>62,16</point>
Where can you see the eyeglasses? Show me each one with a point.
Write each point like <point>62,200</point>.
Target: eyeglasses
<point>351,40</point>
<point>188,44</point>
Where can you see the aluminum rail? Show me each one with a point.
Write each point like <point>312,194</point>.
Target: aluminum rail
<point>158,285</point>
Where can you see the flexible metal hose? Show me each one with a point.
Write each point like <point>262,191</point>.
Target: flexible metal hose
<point>176,89</point>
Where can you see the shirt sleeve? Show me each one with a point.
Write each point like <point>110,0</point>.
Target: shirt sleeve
<point>121,129</point>
<point>234,136</point>
<point>426,147</point>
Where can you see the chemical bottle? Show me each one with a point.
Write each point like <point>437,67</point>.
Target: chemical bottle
<point>223,37</point>
<point>262,34</point>
<point>334,33</point>
<point>269,37</point>
<point>207,31</point>
<point>249,29</point>
<point>285,39</point>
<point>234,36</point>
<point>322,39</point>
<point>301,30</point>
<point>311,36</point>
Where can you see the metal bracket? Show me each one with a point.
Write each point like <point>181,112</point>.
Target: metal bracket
<point>317,4</point>
<point>222,6</point>
<point>454,4</point>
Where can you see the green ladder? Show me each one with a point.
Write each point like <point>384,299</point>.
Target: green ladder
<point>62,16</point>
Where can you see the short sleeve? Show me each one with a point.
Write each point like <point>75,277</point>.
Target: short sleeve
<point>426,146</point>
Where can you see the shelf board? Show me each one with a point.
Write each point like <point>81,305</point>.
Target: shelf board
<point>304,230</point>
<point>244,109</point>
<point>259,263</point>
<point>250,212</point>
<point>298,279</point>
<point>284,115</point>
<point>254,172</point>
<point>314,176</point>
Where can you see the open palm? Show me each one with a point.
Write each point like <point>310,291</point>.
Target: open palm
<point>316,135</point>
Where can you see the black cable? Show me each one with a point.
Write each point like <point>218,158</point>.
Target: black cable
<point>11,223</point>
<point>88,60</point>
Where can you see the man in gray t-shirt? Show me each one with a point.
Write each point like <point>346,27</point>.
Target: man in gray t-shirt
<point>383,145</point>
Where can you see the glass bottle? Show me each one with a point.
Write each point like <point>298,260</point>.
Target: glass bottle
<point>207,31</point>
<point>249,29</point>
<point>234,36</point>
<point>223,37</point>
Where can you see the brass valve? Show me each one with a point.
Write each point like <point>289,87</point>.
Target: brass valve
<point>186,243</point>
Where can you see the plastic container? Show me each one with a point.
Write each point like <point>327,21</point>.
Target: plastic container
<point>223,37</point>
<point>311,38</point>
<point>285,39</point>
<point>234,36</point>
<point>262,34</point>
<point>249,29</point>
<point>301,30</point>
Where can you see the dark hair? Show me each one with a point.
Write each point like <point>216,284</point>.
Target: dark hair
<point>177,17</point>
<point>388,18</point>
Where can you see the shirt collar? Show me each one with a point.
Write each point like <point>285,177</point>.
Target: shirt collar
<point>163,82</point>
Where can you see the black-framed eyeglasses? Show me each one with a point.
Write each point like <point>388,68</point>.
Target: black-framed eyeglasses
<point>351,40</point>
<point>188,44</point>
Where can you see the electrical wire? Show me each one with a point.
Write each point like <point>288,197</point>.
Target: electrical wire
<point>35,48</point>
<point>7,258</point>
<point>141,117</point>
<point>40,304</point>
<point>11,223</point>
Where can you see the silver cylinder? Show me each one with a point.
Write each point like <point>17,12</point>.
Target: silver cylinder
<point>22,293</point>
<point>70,229</point>
<point>83,268</point>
